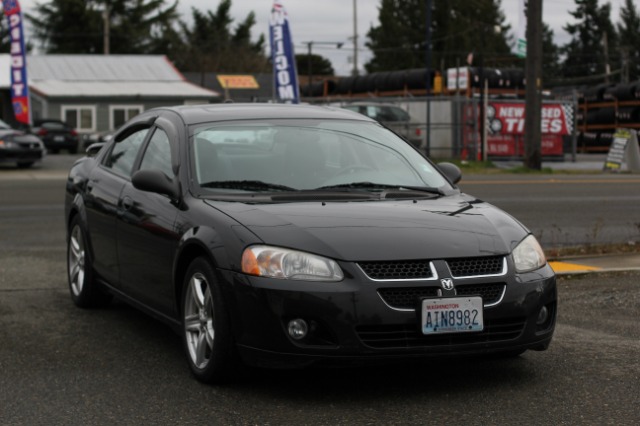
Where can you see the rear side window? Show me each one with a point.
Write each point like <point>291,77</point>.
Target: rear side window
<point>124,153</point>
<point>53,125</point>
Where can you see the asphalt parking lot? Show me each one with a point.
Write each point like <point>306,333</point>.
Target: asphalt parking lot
<point>63,365</point>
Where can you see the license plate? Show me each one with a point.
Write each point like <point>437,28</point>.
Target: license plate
<point>452,315</point>
<point>58,138</point>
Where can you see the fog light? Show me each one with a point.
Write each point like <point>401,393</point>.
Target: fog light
<point>542,315</point>
<point>298,329</point>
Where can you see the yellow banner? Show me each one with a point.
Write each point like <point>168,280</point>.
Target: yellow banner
<point>238,82</point>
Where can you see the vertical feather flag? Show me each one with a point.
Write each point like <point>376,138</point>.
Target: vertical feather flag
<point>19,84</point>
<point>282,56</point>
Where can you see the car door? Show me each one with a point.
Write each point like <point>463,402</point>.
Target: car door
<point>146,233</point>
<point>104,187</point>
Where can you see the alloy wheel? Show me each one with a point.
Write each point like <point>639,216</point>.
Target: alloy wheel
<point>198,320</point>
<point>76,260</point>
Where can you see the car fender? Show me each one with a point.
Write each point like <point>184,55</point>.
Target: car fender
<point>196,242</point>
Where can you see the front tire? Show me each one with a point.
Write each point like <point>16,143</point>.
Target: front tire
<point>85,291</point>
<point>206,330</point>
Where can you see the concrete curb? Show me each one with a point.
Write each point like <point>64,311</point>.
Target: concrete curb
<point>589,264</point>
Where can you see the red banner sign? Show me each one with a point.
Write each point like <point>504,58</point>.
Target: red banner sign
<point>505,129</point>
<point>19,85</point>
<point>508,119</point>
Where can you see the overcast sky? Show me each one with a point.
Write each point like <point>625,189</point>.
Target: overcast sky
<point>328,21</point>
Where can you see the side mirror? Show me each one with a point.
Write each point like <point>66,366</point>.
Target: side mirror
<point>451,171</point>
<point>93,149</point>
<point>155,181</point>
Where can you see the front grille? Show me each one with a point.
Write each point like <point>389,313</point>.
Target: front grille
<point>476,266</point>
<point>407,297</point>
<point>491,292</point>
<point>409,335</point>
<point>397,270</point>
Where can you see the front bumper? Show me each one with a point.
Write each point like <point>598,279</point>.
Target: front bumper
<point>349,321</point>
<point>21,155</point>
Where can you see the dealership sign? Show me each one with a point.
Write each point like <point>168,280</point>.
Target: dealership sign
<point>508,119</point>
<point>19,86</point>
<point>284,64</point>
<point>505,128</point>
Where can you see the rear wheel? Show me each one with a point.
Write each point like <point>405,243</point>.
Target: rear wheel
<point>206,333</point>
<point>85,291</point>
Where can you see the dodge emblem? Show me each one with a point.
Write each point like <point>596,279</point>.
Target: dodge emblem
<point>447,283</point>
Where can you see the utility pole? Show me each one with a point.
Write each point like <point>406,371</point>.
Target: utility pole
<point>107,29</point>
<point>533,73</point>
<point>355,38</point>
<point>607,67</point>
<point>624,54</point>
<point>427,4</point>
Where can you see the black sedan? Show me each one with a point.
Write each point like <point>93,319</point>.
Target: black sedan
<point>287,235</point>
<point>19,148</point>
<point>56,135</point>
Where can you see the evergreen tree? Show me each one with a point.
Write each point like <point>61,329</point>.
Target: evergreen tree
<point>551,69</point>
<point>585,53</point>
<point>629,31</point>
<point>212,44</point>
<point>319,65</point>
<point>459,27</point>
<point>77,26</point>
<point>67,26</point>
<point>137,25</point>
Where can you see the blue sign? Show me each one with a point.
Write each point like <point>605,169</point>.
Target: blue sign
<point>282,55</point>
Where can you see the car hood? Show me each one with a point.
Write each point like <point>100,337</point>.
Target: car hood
<point>446,227</point>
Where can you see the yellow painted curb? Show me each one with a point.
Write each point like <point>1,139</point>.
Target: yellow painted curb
<point>571,267</point>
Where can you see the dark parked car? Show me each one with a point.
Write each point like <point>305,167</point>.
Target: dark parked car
<point>19,147</point>
<point>101,137</point>
<point>393,117</point>
<point>287,235</point>
<point>56,135</point>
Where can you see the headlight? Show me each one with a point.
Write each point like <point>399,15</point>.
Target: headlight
<point>7,144</point>
<point>528,255</point>
<point>274,262</point>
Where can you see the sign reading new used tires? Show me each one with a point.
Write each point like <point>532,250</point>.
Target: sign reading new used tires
<point>505,125</point>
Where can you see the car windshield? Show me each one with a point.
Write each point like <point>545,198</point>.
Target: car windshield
<point>285,155</point>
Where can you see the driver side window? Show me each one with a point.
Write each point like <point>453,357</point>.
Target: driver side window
<point>158,154</point>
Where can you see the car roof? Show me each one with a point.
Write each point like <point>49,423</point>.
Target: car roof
<point>47,120</point>
<point>194,114</point>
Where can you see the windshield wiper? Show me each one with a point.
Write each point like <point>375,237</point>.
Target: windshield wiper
<point>247,185</point>
<point>382,186</point>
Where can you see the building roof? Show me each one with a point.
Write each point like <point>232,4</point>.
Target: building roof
<point>105,75</point>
